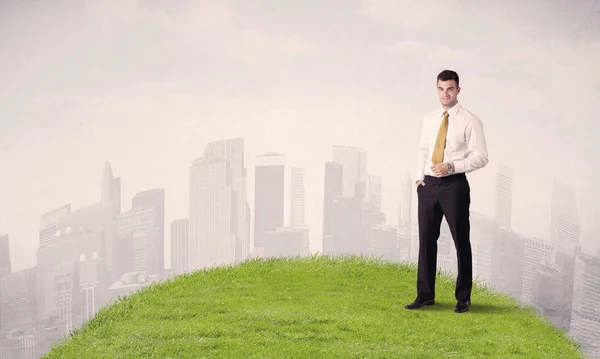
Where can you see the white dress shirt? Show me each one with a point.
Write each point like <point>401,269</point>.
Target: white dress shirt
<point>466,146</point>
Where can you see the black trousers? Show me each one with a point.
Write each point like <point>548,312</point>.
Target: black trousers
<point>448,197</point>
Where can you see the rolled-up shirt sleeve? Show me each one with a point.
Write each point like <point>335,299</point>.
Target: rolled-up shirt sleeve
<point>477,156</point>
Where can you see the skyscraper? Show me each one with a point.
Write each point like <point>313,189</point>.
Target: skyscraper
<point>49,224</point>
<point>211,240</point>
<point>108,209</point>
<point>5,267</point>
<point>374,191</point>
<point>509,247</point>
<point>268,195</point>
<point>333,190</point>
<point>298,198</point>
<point>348,234</point>
<point>564,235</point>
<point>218,207</point>
<point>564,222</point>
<point>154,199</point>
<point>111,189</point>
<point>138,246</point>
<point>354,167</point>
<point>503,203</point>
<point>537,252</point>
<point>404,212</point>
<point>180,245</point>
<point>18,312</point>
<point>585,315</point>
<point>552,289</point>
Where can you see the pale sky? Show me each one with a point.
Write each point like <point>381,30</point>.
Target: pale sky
<point>146,85</point>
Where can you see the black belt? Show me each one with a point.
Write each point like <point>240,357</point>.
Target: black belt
<point>445,179</point>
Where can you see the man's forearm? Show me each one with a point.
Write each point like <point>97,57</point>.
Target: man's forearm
<point>477,144</point>
<point>473,162</point>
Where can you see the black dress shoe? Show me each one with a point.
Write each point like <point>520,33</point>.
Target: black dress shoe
<point>462,307</point>
<point>419,303</point>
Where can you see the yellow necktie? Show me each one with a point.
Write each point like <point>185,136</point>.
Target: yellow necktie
<point>440,142</point>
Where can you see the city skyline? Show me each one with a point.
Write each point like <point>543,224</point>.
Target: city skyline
<point>139,134</point>
<point>291,81</point>
<point>287,218</point>
<point>75,244</point>
<point>502,206</point>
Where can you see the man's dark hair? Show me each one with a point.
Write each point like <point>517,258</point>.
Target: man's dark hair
<point>448,75</point>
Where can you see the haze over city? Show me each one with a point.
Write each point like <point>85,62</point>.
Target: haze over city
<point>139,113</point>
<point>146,85</point>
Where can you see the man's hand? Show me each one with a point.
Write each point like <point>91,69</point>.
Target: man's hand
<point>420,183</point>
<point>440,170</point>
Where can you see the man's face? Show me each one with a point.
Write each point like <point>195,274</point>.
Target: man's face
<point>448,92</point>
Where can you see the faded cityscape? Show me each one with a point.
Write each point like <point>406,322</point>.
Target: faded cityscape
<point>140,140</point>
<point>92,255</point>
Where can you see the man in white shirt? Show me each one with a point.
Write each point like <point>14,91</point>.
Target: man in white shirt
<point>452,144</point>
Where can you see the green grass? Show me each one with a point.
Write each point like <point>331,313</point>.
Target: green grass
<point>317,307</point>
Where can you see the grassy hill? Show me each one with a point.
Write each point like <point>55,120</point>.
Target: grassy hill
<point>315,307</point>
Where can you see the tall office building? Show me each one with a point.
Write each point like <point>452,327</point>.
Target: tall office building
<point>509,247</point>
<point>382,242</point>
<point>374,191</point>
<point>348,232</point>
<point>110,205</point>
<point>73,267</point>
<point>5,267</point>
<point>180,246</point>
<point>414,240</point>
<point>354,170</point>
<point>404,212</point>
<point>564,222</point>
<point>72,282</point>
<point>218,225</point>
<point>211,240</point>
<point>333,190</point>
<point>371,216</point>
<point>154,199</point>
<point>111,189</point>
<point>286,241</point>
<point>403,235</point>
<point>565,236</point>
<point>503,203</point>
<point>585,315</point>
<point>18,313</point>
<point>537,253</point>
<point>298,198</point>
<point>552,289</point>
<point>49,224</point>
<point>138,242</point>
<point>96,217</point>
<point>483,231</point>
<point>269,194</point>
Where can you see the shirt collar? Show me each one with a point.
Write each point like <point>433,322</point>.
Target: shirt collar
<point>453,111</point>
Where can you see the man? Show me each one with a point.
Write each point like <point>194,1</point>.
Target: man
<point>452,144</point>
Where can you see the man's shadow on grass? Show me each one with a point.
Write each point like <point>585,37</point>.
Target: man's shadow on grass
<point>476,308</point>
